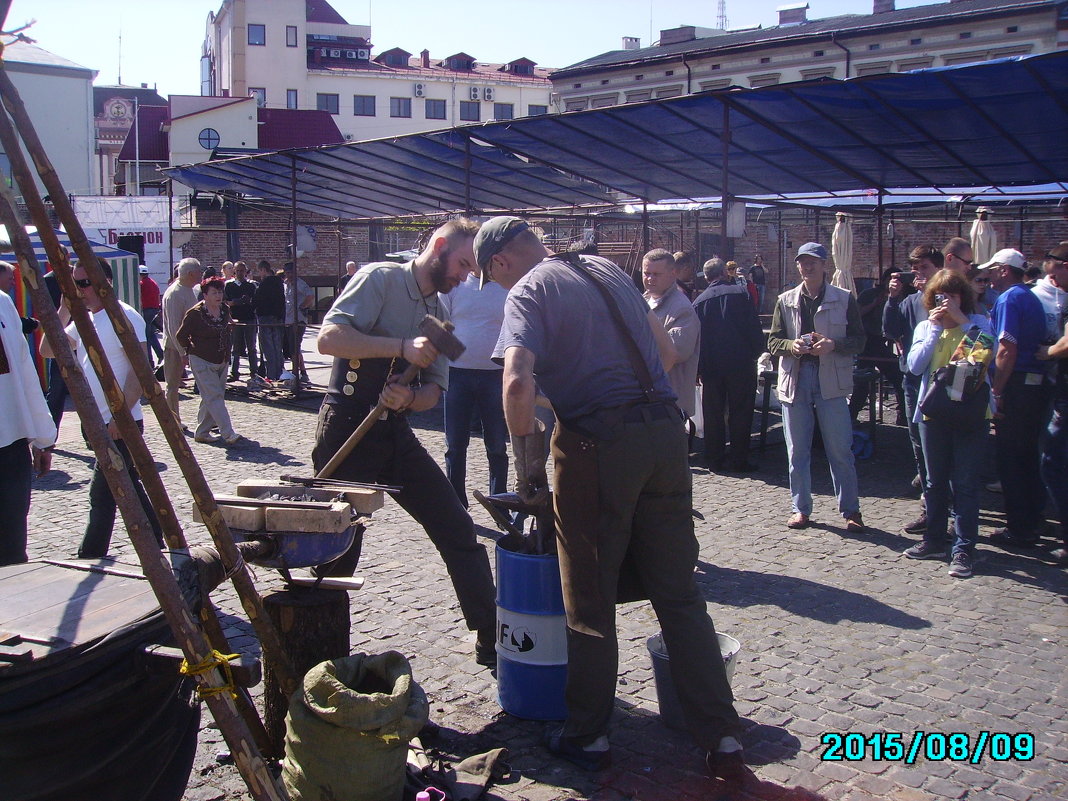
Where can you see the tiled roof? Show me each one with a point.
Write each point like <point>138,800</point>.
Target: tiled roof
<point>416,71</point>
<point>845,24</point>
<point>322,11</point>
<point>149,129</point>
<point>282,128</point>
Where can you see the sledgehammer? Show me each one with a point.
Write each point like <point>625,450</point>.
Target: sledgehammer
<point>441,337</point>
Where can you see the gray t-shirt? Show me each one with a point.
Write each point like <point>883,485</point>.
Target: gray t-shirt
<point>580,360</point>
<point>383,300</point>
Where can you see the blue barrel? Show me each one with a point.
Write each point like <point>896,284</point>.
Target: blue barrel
<point>531,636</point>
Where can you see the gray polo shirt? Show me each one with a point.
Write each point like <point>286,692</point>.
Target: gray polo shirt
<point>580,360</point>
<point>383,300</point>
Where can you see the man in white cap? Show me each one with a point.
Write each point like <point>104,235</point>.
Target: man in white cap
<point>622,492</point>
<point>816,330</point>
<point>1022,390</point>
<point>151,306</point>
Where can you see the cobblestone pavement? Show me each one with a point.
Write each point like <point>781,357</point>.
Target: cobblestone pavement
<point>839,632</point>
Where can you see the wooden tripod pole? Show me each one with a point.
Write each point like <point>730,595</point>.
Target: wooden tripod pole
<point>146,468</point>
<point>194,476</point>
<point>154,563</point>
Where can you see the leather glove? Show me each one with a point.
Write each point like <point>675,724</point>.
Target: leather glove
<point>530,453</point>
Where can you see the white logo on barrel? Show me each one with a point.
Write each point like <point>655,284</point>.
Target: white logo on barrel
<point>532,639</point>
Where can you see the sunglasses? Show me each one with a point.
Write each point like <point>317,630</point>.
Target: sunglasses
<point>981,280</point>
<point>82,283</point>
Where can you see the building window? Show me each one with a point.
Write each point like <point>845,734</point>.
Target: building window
<point>915,41</point>
<point>503,111</point>
<point>260,94</point>
<point>817,53</point>
<point>639,77</point>
<point>324,102</point>
<point>670,73</point>
<point>396,60</point>
<point>535,109</point>
<point>639,97</point>
<point>470,111</point>
<point>208,139</point>
<point>1012,29</point>
<point>966,35</point>
<point>291,35</point>
<point>400,107</point>
<point>765,60</point>
<point>435,109</point>
<point>291,98</point>
<point>604,82</point>
<point>576,86</point>
<point>714,67</point>
<point>873,46</point>
<point>363,105</point>
<point>575,105</point>
<point>257,35</point>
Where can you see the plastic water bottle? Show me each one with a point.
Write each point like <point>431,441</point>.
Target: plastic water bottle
<point>422,795</point>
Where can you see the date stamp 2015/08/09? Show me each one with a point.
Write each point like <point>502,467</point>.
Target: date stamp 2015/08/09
<point>932,746</point>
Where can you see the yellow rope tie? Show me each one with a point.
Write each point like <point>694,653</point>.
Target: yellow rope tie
<point>212,661</point>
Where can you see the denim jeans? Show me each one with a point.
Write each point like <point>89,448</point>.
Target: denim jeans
<point>1055,462</point>
<point>799,420</point>
<point>271,345</point>
<point>245,345</point>
<point>911,385</point>
<point>1026,410</point>
<point>102,507</point>
<point>954,465</point>
<point>152,335</point>
<point>474,392</point>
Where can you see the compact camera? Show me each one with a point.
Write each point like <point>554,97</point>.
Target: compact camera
<point>940,298</point>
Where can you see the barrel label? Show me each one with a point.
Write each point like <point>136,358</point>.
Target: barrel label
<point>532,639</point>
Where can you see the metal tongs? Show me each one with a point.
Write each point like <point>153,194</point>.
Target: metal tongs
<point>541,538</point>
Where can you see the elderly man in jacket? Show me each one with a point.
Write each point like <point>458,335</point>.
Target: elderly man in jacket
<point>816,330</point>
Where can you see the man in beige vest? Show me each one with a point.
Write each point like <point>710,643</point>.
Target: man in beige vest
<point>815,331</point>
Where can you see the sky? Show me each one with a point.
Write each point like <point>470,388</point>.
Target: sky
<point>161,39</point>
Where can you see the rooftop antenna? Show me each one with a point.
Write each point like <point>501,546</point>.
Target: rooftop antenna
<point>120,55</point>
<point>721,18</point>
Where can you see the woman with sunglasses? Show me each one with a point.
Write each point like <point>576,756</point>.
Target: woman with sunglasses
<point>205,333</point>
<point>980,281</point>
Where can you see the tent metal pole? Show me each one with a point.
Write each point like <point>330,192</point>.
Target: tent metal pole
<point>727,252</point>
<point>879,227</point>
<point>645,227</point>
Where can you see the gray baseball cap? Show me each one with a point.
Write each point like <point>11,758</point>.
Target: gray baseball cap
<point>812,249</point>
<point>491,238</point>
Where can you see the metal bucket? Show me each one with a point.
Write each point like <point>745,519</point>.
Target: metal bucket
<point>667,698</point>
<point>531,636</point>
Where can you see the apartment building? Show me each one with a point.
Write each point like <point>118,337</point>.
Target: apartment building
<point>691,59</point>
<point>302,54</point>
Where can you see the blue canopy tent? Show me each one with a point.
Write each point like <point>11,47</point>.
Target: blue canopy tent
<point>989,126</point>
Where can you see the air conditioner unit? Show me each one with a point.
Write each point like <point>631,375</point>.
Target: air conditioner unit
<point>350,54</point>
<point>487,93</point>
<point>364,54</point>
<point>348,137</point>
<point>474,92</point>
<point>419,89</point>
<point>335,54</point>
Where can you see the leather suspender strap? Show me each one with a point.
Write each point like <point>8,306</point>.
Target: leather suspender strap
<point>637,361</point>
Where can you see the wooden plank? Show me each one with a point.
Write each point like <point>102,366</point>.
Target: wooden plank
<point>85,612</point>
<point>17,579</point>
<point>364,501</point>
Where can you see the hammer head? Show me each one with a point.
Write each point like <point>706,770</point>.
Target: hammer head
<point>440,334</point>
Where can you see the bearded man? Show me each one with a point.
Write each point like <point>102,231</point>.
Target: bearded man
<point>372,333</point>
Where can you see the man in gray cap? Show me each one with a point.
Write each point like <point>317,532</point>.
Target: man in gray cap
<point>622,494</point>
<point>816,330</point>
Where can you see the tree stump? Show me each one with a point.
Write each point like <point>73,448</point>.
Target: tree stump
<point>313,625</point>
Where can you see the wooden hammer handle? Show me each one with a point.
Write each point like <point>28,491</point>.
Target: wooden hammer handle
<point>361,430</point>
